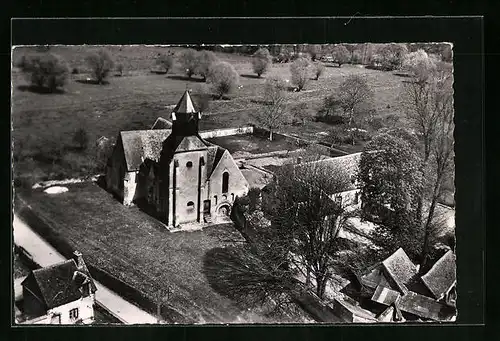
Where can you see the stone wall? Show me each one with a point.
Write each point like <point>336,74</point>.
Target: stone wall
<point>208,134</point>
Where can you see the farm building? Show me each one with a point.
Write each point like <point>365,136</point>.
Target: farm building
<point>60,294</point>
<point>183,177</point>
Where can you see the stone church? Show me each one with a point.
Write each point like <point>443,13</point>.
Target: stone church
<point>181,177</point>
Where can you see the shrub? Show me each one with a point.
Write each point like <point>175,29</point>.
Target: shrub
<point>223,78</point>
<point>261,61</point>
<point>46,71</point>
<point>357,57</point>
<point>165,61</point>
<point>392,56</point>
<point>300,113</point>
<point>81,139</point>
<point>314,51</point>
<point>341,55</point>
<point>101,63</point>
<point>205,61</point>
<point>319,68</point>
<point>300,72</point>
<point>119,69</point>
<point>189,62</point>
<point>75,71</point>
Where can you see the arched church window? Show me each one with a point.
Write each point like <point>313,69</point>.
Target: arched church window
<point>225,182</point>
<point>189,164</point>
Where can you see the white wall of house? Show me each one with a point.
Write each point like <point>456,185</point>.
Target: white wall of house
<point>129,187</point>
<point>85,306</point>
<point>351,199</point>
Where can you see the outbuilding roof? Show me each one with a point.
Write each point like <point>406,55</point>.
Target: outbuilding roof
<point>400,268</point>
<point>442,276</point>
<point>59,284</point>
<point>162,123</point>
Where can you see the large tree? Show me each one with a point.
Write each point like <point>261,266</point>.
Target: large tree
<point>205,60</point>
<point>300,72</point>
<point>273,114</point>
<point>341,55</point>
<point>261,61</point>
<point>428,104</point>
<point>188,60</point>
<point>391,181</point>
<point>392,55</point>
<point>354,95</point>
<point>222,78</point>
<point>44,70</point>
<point>305,219</point>
<point>100,63</point>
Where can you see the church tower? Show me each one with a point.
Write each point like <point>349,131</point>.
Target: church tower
<point>183,166</point>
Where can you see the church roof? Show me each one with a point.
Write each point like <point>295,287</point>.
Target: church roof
<point>59,284</point>
<point>188,143</point>
<point>141,144</point>
<point>162,123</point>
<point>214,156</point>
<point>185,105</point>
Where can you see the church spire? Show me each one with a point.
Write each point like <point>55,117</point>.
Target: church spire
<point>185,116</point>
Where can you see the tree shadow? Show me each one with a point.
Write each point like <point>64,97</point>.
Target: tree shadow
<point>92,82</point>
<point>40,90</point>
<point>186,78</point>
<point>222,98</point>
<point>159,72</point>
<point>402,74</point>
<point>250,76</point>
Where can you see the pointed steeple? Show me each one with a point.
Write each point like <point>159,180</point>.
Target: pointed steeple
<point>185,117</point>
<point>185,105</point>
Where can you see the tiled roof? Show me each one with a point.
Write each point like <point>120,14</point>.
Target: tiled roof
<point>188,143</point>
<point>162,123</point>
<point>400,268</point>
<point>185,105</point>
<point>58,284</point>
<point>374,277</point>
<point>347,165</point>
<point>425,307</point>
<point>442,276</point>
<point>141,144</point>
<point>385,295</point>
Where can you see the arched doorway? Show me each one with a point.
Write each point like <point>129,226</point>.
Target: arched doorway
<point>224,210</point>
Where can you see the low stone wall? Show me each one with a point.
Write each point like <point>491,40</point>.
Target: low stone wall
<point>208,134</point>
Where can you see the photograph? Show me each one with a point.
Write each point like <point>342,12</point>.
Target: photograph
<point>233,184</point>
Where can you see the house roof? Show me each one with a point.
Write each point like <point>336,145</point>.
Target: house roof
<point>354,309</point>
<point>141,144</point>
<point>374,277</point>
<point>60,283</point>
<point>425,307</point>
<point>188,143</point>
<point>442,276</point>
<point>347,164</point>
<point>400,268</point>
<point>185,105</point>
<point>385,295</point>
<point>162,123</point>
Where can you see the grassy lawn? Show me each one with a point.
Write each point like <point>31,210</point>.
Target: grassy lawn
<point>136,248</point>
<point>136,99</point>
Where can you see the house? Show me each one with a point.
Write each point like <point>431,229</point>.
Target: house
<point>348,194</point>
<point>182,177</point>
<point>63,293</point>
<point>396,286</point>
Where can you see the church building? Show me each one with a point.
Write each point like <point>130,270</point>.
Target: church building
<point>183,178</point>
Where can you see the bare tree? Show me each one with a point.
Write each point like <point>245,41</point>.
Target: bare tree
<point>305,219</point>
<point>354,93</point>
<point>273,114</point>
<point>428,103</point>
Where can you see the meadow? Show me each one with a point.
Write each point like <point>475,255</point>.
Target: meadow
<point>44,124</point>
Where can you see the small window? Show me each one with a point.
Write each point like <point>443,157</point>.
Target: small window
<point>232,196</point>
<point>225,182</point>
<point>73,314</point>
<point>215,199</point>
<point>190,205</point>
<point>338,200</point>
<point>189,164</point>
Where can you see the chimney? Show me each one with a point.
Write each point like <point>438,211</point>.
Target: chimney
<point>299,159</point>
<point>78,258</point>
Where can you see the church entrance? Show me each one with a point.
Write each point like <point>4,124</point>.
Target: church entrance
<point>224,211</point>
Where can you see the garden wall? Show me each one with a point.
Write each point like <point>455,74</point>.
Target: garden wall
<point>226,132</point>
<point>126,291</point>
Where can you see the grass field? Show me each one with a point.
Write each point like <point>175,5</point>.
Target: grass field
<point>135,100</point>
<point>137,249</point>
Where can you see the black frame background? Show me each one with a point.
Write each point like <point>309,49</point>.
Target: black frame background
<point>466,34</point>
